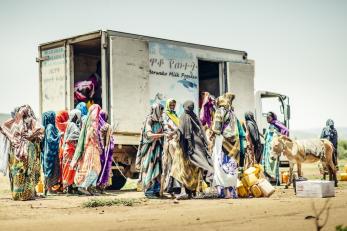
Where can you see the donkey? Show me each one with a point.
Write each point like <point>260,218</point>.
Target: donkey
<point>304,151</point>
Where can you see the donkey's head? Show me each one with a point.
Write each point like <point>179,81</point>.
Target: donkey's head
<point>278,145</point>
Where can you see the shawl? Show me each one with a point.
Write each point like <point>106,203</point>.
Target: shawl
<point>61,120</point>
<point>21,130</point>
<point>50,143</point>
<point>171,113</point>
<point>252,127</point>
<point>82,106</point>
<point>207,108</point>
<point>74,126</point>
<point>92,119</point>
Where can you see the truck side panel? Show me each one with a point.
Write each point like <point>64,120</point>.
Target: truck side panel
<point>129,68</point>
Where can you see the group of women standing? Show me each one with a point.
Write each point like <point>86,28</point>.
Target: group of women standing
<point>74,149</point>
<point>180,155</point>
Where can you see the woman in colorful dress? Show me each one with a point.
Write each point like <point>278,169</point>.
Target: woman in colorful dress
<point>50,153</point>
<point>61,121</point>
<point>150,152</point>
<point>271,167</point>
<point>226,150</point>
<point>107,146</point>
<point>25,134</point>
<point>71,136</point>
<point>86,158</point>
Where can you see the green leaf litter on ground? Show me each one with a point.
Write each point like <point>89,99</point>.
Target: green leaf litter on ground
<point>93,203</point>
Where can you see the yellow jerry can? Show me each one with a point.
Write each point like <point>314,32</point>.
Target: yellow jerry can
<point>256,191</point>
<point>343,176</point>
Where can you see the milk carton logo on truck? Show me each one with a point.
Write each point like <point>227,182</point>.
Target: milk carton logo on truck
<point>173,74</point>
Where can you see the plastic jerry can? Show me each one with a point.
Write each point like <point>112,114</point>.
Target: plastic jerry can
<point>250,180</point>
<point>284,177</point>
<point>345,168</point>
<point>343,176</point>
<point>256,191</point>
<point>249,171</point>
<point>266,188</point>
<point>39,187</point>
<point>242,191</point>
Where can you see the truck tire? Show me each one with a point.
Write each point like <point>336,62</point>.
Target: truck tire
<point>118,180</point>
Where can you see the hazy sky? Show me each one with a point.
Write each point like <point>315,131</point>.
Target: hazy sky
<point>299,47</point>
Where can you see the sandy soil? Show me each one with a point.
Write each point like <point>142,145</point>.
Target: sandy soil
<point>282,211</point>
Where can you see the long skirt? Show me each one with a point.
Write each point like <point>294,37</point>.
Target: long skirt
<point>88,167</point>
<point>225,169</point>
<point>271,167</point>
<point>68,174</point>
<point>25,173</point>
<point>151,168</point>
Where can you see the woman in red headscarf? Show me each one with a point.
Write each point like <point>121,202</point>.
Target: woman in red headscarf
<point>61,121</point>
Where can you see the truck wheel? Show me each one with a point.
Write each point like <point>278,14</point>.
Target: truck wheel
<point>118,180</point>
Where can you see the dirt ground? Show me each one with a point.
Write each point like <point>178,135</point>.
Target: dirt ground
<point>282,211</point>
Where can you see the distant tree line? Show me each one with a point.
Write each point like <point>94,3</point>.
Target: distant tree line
<point>342,149</point>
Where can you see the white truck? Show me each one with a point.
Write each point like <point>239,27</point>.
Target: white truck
<point>137,70</point>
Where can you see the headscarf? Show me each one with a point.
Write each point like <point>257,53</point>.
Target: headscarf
<point>189,118</point>
<point>278,125</point>
<point>171,113</point>
<point>61,120</point>
<point>156,112</point>
<point>23,124</point>
<point>92,119</point>
<point>50,143</point>
<point>82,106</point>
<point>252,127</point>
<point>107,146</point>
<point>207,108</point>
<point>330,123</point>
<point>74,126</point>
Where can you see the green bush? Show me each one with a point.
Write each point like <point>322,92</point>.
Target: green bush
<point>341,228</point>
<point>342,149</point>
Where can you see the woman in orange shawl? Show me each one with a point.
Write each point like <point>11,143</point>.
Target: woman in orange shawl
<point>61,121</point>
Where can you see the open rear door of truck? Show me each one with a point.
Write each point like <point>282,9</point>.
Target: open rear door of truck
<point>129,73</point>
<point>53,83</point>
<point>241,83</point>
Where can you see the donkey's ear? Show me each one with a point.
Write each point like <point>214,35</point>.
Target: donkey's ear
<point>286,138</point>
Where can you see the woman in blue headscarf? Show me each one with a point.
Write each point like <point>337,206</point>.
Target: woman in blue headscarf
<point>50,153</point>
<point>82,106</point>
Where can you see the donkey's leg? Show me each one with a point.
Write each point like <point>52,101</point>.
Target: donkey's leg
<point>299,170</point>
<point>291,168</point>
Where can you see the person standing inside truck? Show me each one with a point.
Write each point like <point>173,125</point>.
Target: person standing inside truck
<point>25,134</point>
<point>150,151</point>
<point>330,133</point>
<point>50,153</point>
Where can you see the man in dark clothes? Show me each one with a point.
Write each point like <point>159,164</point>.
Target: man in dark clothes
<point>330,133</point>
